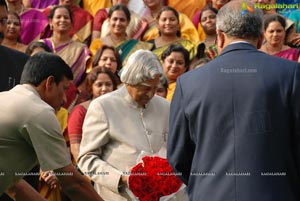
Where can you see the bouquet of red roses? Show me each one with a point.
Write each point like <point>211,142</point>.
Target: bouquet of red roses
<point>152,179</point>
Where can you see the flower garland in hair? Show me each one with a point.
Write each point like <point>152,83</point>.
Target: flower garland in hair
<point>153,178</point>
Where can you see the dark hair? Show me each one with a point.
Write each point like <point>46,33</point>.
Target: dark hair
<point>119,7</point>
<point>268,18</point>
<point>208,7</point>
<point>42,65</point>
<point>93,74</point>
<point>52,12</point>
<point>3,3</point>
<point>164,82</point>
<point>177,48</point>
<point>169,8</point>
<point>100,52</point>
<point>36,44</point>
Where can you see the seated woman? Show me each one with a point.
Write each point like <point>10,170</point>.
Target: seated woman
<point>33,21</point>
<point>169,29</point>
<point>75,54</point>
<point>187,28</point>
<point>208,22</point>
<point>108,57</point>
<point>81,30</point>
<point>12,32</point>
<point>175,62</point>
<point>274,32</point>
<point>119,18</point>
<point>101,27</point>
<point>100,81</point>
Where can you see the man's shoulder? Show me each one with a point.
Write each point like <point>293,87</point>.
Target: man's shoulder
<point>10,53</point>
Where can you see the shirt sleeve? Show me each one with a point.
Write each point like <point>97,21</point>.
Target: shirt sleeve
<point>94,138</point>
<point>47,140</point>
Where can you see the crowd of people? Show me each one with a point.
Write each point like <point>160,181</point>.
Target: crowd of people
<point>90,87</point>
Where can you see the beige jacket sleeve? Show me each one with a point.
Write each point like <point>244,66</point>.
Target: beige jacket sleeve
<point>95,136</point>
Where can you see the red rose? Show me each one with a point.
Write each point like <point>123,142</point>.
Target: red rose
<point>152,179</point>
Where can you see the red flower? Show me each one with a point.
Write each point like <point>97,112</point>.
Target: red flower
<point>152,179</point>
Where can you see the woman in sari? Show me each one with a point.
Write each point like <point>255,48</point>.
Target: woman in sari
<point>12,32</point>
<point>274,32</point>
<point>187,29</point>
<point>175,62</point>
<point>208,22</point>
<point>33,21</point>
<point>100,80</point>
<point>82,21</point>
<point>75,54</point>
<point>134,30</point>
<point>118,19</point>
<point>169,29</point>
<point>108,57</point>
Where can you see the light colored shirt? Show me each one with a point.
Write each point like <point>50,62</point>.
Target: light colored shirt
<point>115,132</point>
<point>29,130</point>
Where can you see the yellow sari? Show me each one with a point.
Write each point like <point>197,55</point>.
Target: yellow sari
<point>125,48</point>
<point>92,6</point>
<point>188,7</point>
<point>187,29</point>
<point>190,46</point>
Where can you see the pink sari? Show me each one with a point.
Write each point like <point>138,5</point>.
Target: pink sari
<point>290,54</point>
<point>33,24</point>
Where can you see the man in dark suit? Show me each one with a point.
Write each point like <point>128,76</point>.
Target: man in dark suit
<point>234,123</point>
<point>11,61</point>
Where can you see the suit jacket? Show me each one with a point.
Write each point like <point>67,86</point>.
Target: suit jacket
<point>115,133</point>
<point>11,67</point>
<point>234,128</point>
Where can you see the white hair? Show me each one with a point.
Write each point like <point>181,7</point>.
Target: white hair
<point>142,65</point>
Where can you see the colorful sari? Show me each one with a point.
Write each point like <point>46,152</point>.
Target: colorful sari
<point>39,4</point>
<point>33,24</point>
<point>82,23</point>
<point>211,52</point>
<point>75,54</point>
<point>290,54</point>
<point>171,90</point>
<point>187,29</point>
<point>188,45</point>
<point>135,29</point>
<point>92,6</point>
<point>125,48</point>
<point>188,7</point>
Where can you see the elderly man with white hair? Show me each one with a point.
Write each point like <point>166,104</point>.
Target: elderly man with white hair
<point>121,125</point>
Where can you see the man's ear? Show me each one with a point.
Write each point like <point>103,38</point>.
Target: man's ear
<point>260,41</point>
<point>220,41</point>
<point>50,82</point>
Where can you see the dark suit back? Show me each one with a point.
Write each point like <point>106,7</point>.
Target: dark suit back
<point>11,67</point>
<point>240,113</point>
